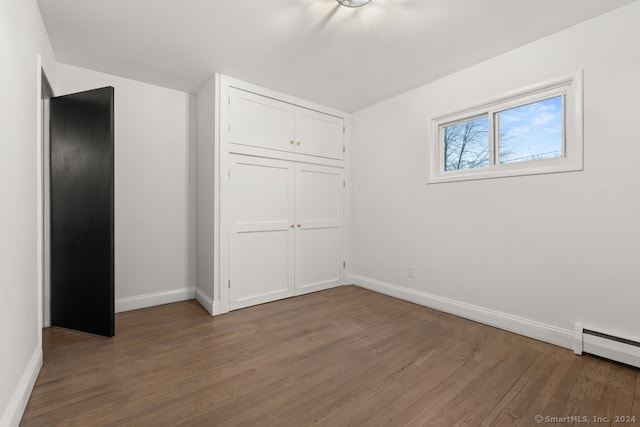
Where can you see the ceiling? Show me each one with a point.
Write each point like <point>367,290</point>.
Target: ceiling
<point>346,58</point>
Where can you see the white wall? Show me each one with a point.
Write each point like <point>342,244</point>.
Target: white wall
<point>192,239</point>
<point>206,186</point>
<point>22,38</point>
<point>151,178</point>
<point>548,249</point>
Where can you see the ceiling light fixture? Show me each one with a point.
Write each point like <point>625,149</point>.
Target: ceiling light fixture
<point>353,3</point>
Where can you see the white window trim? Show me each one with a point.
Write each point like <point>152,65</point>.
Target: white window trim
<point>568,86</point>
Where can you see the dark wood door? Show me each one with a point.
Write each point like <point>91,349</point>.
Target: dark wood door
<point>82,211</point>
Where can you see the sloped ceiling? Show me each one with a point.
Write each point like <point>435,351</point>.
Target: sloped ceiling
<point>346,58</point>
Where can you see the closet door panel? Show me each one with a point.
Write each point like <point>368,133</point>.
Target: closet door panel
<point>260,268</point>
<point>318,211</point>
<point>318,252</point>
<point>259,121</point>
<point>261,241</point>
<point>318,134</point>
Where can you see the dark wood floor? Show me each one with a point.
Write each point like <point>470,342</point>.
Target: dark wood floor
<point>341,357</point>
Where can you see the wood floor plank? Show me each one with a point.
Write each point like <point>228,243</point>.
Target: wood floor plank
<point>636,399</point>
<point>341,357</point>
<point>516,405</point>
<point>586,392</point>
<point>617,395</point>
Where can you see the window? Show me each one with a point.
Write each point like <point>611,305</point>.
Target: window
<point>466,144</point>
<point>532,131</point>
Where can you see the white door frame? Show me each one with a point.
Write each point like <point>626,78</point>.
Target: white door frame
<point>44,318</point>
<point>40,194</point>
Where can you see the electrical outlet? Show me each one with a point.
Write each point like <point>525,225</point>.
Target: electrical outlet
<point>411,271</point>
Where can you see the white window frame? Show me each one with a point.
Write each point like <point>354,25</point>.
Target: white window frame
<point>569,87</point>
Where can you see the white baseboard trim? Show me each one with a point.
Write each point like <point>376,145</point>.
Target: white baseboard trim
<point>508,322</point>
<point>212,307</point>
<point>217,309</point>
<point>15,409</point>
<point>157,298</point>
<point>204,301</point>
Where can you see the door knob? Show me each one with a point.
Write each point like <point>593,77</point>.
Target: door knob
<point>298,143</point>
<point>292,142</point>
<point>298,225</point>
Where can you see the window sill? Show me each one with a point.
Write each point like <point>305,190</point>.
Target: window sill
<point>507,171</point>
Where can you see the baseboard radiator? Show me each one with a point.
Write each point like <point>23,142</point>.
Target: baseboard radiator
<point>599,343</point>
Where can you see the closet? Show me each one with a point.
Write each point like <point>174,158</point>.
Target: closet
<point>280,209</point>
<point>285,229</point>
<point>265,122</point>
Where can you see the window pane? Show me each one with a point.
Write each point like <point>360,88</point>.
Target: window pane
<point>466,144</point>
<point>531,132</point>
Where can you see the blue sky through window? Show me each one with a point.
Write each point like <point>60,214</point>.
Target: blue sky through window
<point>531,132</point>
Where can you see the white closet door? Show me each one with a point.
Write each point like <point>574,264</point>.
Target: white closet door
<point>318,214</point>
<point>318,134</point>
<point>259,121</point>
<point>261,240</point>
